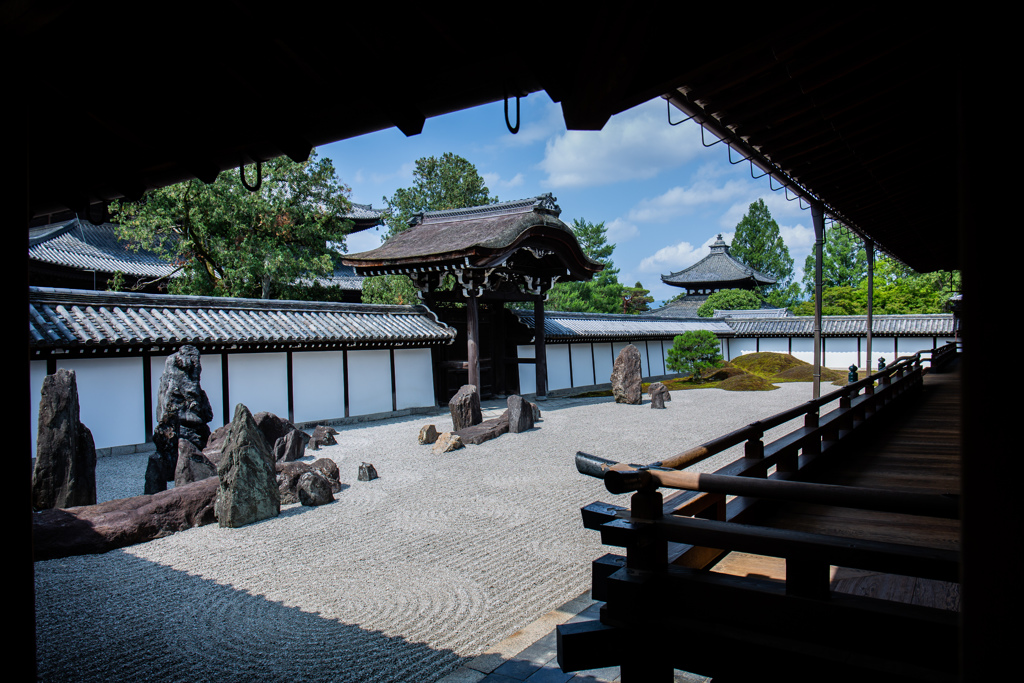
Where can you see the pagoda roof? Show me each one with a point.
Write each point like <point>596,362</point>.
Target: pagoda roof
<point>718,270</point>
<point>481,237</point>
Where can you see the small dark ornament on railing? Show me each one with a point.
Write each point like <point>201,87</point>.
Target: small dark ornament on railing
<point>852,377</point>
<point>881,363</point>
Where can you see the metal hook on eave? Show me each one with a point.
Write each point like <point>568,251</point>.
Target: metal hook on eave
<point>702,138</point>
<point>259,177</point>
<point>518,117</point>
<point>788,198</point>
<point>668,112</point>
<point>772,187</point>
<point>737,162</point>
<point>756,177</point>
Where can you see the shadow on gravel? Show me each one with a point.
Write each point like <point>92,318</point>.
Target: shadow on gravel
<point>116,617</point>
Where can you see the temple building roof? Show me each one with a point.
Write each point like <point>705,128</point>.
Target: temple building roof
<point>69,320</point>
<point>491,247</point>
<point>718,270</point>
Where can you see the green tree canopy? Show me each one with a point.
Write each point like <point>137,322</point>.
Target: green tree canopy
<point>693,352</point>
<point>759,244</point>
<point>636,299</point>
<point>228,241</point>
<point>602,294</point>
<point>450,182</point>
<point>729,300</point>
<point>844,261</point>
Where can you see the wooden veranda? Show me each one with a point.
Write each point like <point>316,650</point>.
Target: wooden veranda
<point>832,553</point>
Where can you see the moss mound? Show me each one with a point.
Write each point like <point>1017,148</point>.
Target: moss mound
<point>746,382</point>
<point>768,364</point>
<point>721,374</point>
<point>805,373</point>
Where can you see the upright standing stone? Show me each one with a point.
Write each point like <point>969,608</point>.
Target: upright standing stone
<point>659,394</point>
<point>183,411</point>
<point>248,482</point>
<point>465,408</point>
<point>65,470</point>
<point>626,375</point>
<point>520,414</point>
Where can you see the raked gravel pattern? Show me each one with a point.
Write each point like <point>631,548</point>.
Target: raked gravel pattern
<point>400,579</point>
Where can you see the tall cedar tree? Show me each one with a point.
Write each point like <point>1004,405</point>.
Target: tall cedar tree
<point>450,182</point>
<point>228,241</point>
<point>759,244</point>
<point>844,261</point>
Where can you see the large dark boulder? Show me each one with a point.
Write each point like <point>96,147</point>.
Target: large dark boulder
<point>626,376</point>
<point>323,435</point>
<point>465,408</point>
<point>314,489</point>
<point>183,411</point>
<point>248,483</point>
<point>520,414</point>
<point>192,465</point>
<point>65,468</point>
<point>124,522</point>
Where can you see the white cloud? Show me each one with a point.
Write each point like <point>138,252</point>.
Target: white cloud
<point>636,144</point>
<point>620,231</point>
<point>495,182</point>
<point>680,200</point>
<point>675,257</point>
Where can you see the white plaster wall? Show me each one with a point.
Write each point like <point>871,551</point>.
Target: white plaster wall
<point>527,371</point>
<point>656,357</point>
<point>604,361</point>
<point>738,347</point>
<point>774,345</point>
<point>212,381</point>
<point>840,353</point>
<point>318,385</point>
<point>558,366</point>
<point>369,382</point>
<point>803,348</point>
<point>414,378</point>
<point>260,381</point>
<point>582,365</point>
<point>110,399</point>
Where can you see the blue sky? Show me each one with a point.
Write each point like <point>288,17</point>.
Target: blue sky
<point>662,195</point>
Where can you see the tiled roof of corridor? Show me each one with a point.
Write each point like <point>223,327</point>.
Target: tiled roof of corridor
<point>940,324</point>
<point>565,326</point>
<point>69,319</point>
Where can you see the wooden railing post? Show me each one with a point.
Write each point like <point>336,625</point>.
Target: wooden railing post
<point>813,447</point>
<point>753,449</point>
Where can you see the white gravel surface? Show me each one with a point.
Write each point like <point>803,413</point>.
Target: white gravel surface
<point>400,579</point>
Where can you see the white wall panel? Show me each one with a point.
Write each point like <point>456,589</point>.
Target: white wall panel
<point>582,365</point>
<point>110,398</point>
<point>774,345</point>
<point>738,347</point>
<point>318,385</point>
<point>527,371</point>
<point>803,348</point>
<point>260,381</point>
<point>841,353</point>
<point>369,382</point>
<point>558,366</point>
<point>414,378</point>
<point>656,357</point>
<point>604,361</point>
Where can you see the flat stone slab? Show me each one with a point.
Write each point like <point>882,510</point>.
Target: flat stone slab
<point>485,431</point>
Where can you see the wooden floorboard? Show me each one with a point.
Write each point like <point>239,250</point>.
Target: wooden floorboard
<point>920,452</point>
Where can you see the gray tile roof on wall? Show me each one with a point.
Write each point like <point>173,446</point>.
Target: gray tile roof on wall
<point>75,319</point>
<point>81,245</point>
<point>686,307</point>
<point>565,326</point>
<point>846,326</point>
